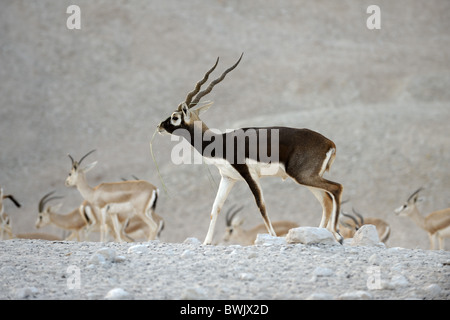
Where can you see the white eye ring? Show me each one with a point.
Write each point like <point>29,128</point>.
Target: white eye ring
<point>175,119</point>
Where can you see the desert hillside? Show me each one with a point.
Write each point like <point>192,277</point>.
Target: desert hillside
<point>381,95</point>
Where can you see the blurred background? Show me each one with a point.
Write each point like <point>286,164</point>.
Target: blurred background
<point>383,96</point>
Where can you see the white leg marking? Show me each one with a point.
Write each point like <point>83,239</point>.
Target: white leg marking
<point>224,189</point>
<point>319,194</point>
<point>325,162</point>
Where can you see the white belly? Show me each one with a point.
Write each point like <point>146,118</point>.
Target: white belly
<point>256,168</point>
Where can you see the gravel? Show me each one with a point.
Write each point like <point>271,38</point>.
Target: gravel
<point>39,269</point>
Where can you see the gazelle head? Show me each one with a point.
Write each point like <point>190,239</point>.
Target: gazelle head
<point>410,204</point>
<point>76,170</point>
<point>185,115</point>
<point>233,223</point>
<point>43,218</point>
<point>5,221</point>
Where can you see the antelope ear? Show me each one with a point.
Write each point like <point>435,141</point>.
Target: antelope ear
<point>186,112</point>
<point>203,109</point>
<point>419,199</point>
<point>90,166</point>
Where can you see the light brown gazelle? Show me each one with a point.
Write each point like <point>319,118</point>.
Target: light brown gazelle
<point>87,218</point>
<point>436,224</point>
<point>250,153</point>
<point>351,226</point>
<point>5,221</point>
<point>135,197</point>
<point>235,234</point>
<point>72,221</point>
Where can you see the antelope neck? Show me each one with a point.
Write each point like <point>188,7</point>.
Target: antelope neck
<point>86,191</point>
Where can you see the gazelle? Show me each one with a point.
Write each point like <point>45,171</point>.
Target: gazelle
<point>301,154</point>
<point>234,232</point>
<point>132,228</point>
<point>437,223</point>
<point>352,225</point>
<point>136,197</point>
<point>73,221</point>
<point>5,226</point>
<point>5,221</point>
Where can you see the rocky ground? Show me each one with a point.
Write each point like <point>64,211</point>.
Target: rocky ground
<point>37,269</point>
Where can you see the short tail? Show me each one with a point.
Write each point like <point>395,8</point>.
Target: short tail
<point>156,192</point>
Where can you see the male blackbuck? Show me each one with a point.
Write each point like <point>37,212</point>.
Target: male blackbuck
<point>436,224</point>
<point>250,153</point>
<point>136,197</point>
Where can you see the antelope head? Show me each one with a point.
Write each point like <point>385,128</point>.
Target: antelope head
<point>410,204</point>
<point>76,170</point>
<point>232,223</point>
<point>45,211</point>
<point>185,115</point>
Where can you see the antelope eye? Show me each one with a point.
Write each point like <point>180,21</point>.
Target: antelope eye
<point>175,118</point>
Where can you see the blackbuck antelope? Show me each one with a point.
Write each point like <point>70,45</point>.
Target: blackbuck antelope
<point>246,154</point>
<point>5,221</point>
<point>234,233</point>
<point>349,227</point>
<point>130,198</point>
<point>436,224</point>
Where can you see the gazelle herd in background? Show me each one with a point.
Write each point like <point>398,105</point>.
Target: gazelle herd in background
<point>127,208</point>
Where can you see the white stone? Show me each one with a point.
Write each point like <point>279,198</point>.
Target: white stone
<point>193,241</point>
<point>320,296</point>
<point>374,260</point>
<point>103,256</point>
<point>187,254</point>
<point>367,235</point>
<point>433,290</point>
<point>322,272</point>
<point>97,259</point>
<point>356,295</point>
<point>117,294</point>
<point>310,235</point>
<point>399,281</point>
<point>195,293</point>
<point>247,276</point>
<point>266,239</point>
<point>25,293</point>
<point>108,253</point>
<point>140,249</point>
